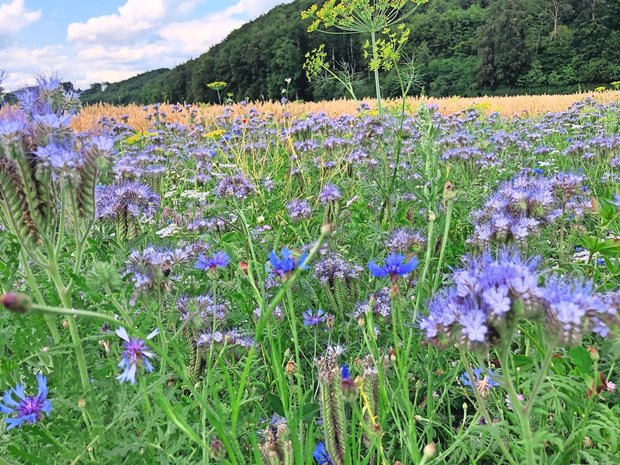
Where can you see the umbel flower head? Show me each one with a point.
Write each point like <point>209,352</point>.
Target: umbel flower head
<point>21,408</point>
<point>136,354</point>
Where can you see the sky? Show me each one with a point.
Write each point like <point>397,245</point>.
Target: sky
<point>88,41</point>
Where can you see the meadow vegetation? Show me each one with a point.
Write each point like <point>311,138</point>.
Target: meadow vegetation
<point>402,282</point>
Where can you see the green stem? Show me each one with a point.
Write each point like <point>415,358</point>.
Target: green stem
<point>30,279</point>
<point>444,243</point>
<point>430,243</point>
<point>517,407</point>
<point>485,412</point>
<point>262,321</point>
<point>542,374</point>
<point>375,59</point>
<point>53,273</point>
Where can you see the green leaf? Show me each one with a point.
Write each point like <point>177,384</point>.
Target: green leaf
<point>522,361</point>
<point>276,404</point>
<point>309,411</point>
<point>581,359</point>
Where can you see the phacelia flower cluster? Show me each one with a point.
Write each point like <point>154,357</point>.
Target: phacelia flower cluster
<point>523,205</point>
<point>491,293</point>
<point>126,199</point>
<point>235,186</point>
<point>298,209</point>
<point>333,266</point>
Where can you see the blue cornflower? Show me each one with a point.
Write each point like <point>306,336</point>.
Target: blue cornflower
<point>136,353</point>
<point>616,201</point>
<point>314,319</point>
<point>23,408</point>
<point>282,267</point>
<point>321,455</point>
<point>219,260</point>
<point>394,267</point>
<point>482,383</point>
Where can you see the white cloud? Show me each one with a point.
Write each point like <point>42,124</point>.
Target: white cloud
<point>14,17</point>
<point>143,35</point>
<point>133,19</point>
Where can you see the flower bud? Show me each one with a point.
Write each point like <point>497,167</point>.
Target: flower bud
<point>327,229</point>
<point>217,450</point>
<point>448,191</point>
<point>291,368</point>
<point>14,302</point>
<point>429,450</point>
<point>594,354</point>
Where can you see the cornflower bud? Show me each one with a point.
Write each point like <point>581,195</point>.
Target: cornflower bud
<point>17,303</point>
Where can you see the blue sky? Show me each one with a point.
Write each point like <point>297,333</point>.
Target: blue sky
<point>86,41</point>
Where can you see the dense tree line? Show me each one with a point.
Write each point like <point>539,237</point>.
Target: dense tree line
<point>461,47</point>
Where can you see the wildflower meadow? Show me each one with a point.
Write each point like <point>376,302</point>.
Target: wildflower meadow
<point>390,286</point>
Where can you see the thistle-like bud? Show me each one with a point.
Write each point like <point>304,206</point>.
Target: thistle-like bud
<point>14,302</point>
<point>102,274</point>
<point>217,450</point>
<point>448,191</point>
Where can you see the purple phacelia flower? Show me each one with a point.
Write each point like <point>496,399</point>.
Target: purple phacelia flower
<point>127,198</point>
<point>299,209</point>
<point>329,193</point>
<point>237,186</point>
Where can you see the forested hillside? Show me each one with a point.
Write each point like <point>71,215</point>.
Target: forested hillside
<point>462,47</point>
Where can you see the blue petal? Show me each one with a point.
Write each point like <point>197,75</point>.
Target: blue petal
<point>13,422</point>
<point>394,260</point>
<point>408,267</point>
<point>42,380</point>
<point>301,263</point>
<point>376,270</point>
<point>19,391</point>
<point>5,410</point>
<point>273,259</point>
<point>200,262</point>
<point>8,398</point>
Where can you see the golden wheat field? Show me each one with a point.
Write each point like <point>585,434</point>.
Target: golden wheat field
<point>507,106</point>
